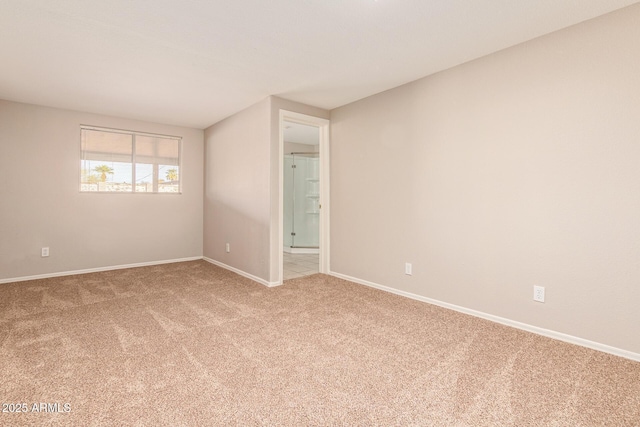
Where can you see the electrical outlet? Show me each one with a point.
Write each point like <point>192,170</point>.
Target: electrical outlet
<point>407,269</point>
<point>44,253</point>
<point>538,293</point>
<point>228,248</point>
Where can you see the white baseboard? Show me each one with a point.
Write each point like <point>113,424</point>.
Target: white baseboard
<point>96,270</point>
<point>242,273</point>
<point>518,325</point>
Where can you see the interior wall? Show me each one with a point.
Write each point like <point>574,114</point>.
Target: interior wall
<point>41,205</point>
<point>241,187</point>
<point>521,168</point>
<point>236,201</point>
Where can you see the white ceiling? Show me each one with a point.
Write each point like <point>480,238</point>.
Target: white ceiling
<point>195,62</point>
<point>301,134</point>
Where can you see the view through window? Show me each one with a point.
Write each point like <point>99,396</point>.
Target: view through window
<point>123,161</point>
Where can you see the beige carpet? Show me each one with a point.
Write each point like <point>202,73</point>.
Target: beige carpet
<point>192,344</point>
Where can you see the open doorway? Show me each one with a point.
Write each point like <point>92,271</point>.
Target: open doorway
<point>303,195</point>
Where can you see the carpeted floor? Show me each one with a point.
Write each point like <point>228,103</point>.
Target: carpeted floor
<point>192,344</point>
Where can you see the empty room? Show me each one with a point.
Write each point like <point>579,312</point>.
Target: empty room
<point>360,212</point>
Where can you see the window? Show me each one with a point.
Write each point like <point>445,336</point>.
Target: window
<point>122,161</point>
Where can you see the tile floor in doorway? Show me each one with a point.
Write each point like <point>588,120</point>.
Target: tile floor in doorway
<point>298,265</point>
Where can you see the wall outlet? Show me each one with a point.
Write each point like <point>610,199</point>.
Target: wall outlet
<point>44,253</point>
<point>407,269</point>
<point>228,248</point>
<point>538,293</point>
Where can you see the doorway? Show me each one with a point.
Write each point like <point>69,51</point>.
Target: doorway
<point>301,194</point>
<point>304,241</point>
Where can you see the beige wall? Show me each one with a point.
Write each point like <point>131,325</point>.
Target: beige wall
<point>520,168</point>
<point>237,203</point>
<point>241,187</point>
<point>40,202</point>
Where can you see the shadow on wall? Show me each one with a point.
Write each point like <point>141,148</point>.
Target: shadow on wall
<point>247,236</point>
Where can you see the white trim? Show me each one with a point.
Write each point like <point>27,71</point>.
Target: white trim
<point>324,135</point>
<point>515,324</point>
<point>242,273</point>
<point>325,199</point>
<point>97,270</point>
<point>280,254</point>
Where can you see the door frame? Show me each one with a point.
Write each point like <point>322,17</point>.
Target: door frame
<point>324,235</point>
